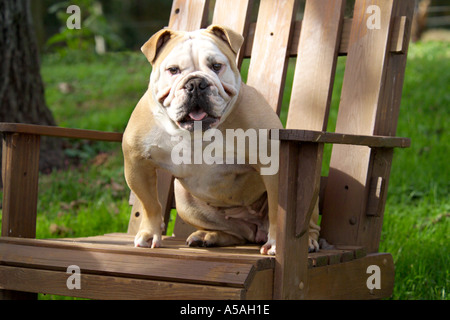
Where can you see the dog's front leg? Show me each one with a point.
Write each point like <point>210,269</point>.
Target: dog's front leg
<point>141,178</point>
<point>271,184</point>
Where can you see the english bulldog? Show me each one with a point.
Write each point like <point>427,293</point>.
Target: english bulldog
<point>195,87</point>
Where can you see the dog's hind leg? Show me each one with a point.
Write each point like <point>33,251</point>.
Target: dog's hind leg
<point>202,238</point>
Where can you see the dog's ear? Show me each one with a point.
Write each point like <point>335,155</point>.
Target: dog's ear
<point>154,45</point>
<point>234,39</point>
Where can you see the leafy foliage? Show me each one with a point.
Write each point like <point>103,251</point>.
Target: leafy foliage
<point>93,24</point>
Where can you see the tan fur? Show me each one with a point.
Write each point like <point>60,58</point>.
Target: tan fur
<point>225,202</point>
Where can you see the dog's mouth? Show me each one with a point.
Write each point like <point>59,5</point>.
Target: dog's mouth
<point>207,121</point>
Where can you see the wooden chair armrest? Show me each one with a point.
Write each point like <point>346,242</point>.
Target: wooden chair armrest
<point>60,132</point>
<point>342,138</point>
<point>310,161</point>
<point>20,171</point>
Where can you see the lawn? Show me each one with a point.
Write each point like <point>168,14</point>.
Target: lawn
<point>90,197</point>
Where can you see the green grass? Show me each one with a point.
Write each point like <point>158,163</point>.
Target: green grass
<point>417,217</point>
<point>91,197</point>
<point>103,89</point>
<point>87,200</point>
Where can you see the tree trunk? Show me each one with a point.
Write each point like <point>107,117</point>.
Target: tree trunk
<point>21,86</point>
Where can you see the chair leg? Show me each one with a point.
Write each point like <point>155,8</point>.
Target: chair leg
<point>20,173</point>
<point>299,180</point>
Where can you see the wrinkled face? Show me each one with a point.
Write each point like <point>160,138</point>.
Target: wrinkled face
<point>195,82</point>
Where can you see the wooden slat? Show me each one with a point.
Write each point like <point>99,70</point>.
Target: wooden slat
<point>261,287</point>
<point>365,70</point>
<point>127,265</point>
<point>4,160</point>
<point>378,182</point>
<point>292,254</point>
<point>345,37</point>
<point>358,252</point>
<point>186,15</point>
<point>341,138</point>
<point>391,92</point>
<point>270,54</point>
<point>349,280</point>
<point>20,173</point>
<point>182,229</point>
<point>173,248</point>
<point>398,43</point>
<point>317,260</point>
<point>234,14</point>
<point>369,232</point>
<point>331,256</point>
<point>370,101</point>
<point>108,287</point>
<point>316,65</point>
<point>177,248</point>
<point>308,184</point>
<point>350,276</point>
<point>334,256</point>
<point>189,15</point>
<point>400,36</point>
<point>60,132</point>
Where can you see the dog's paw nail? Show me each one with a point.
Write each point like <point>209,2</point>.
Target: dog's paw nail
<point>145,239</point>
<point>272,251</point>
<point>313,246</point>
<point>268,249</point>
<point>156,245</point>
<point>156,241</point>
<point>195,243</point>
<point>141,245</point>
<point>196,240</point>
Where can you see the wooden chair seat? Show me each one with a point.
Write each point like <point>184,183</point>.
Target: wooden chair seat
<point>112,268</point>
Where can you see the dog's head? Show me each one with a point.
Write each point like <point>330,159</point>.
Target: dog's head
<point>194,75</point>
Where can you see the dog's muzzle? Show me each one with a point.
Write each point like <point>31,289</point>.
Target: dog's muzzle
<point>197,106</point>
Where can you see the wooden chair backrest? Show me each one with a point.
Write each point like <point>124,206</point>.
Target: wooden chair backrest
<point>375,46</point>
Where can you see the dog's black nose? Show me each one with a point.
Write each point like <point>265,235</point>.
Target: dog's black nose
<point>196,84</point>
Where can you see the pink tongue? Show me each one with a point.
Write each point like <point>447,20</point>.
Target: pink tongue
<point>198,116</point>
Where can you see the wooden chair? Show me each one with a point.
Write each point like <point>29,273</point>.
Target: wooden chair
<point>375,41</point>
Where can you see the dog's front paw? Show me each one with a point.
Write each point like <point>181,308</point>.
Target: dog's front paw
<point>269,248</point>
<point>147,239</point>
<point>313,245</point>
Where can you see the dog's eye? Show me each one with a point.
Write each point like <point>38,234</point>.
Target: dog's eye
<point>216,67</point>
<point>174,70</point>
